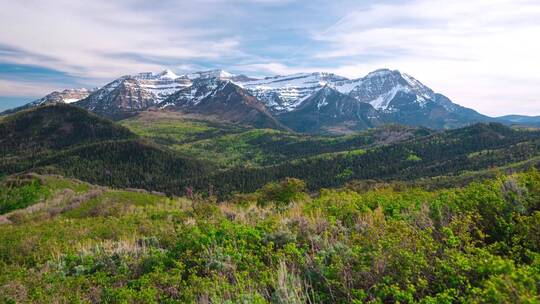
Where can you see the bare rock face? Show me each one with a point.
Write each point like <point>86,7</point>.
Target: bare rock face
<point>224,100</point>
<point>66,96</point>
<point>305,102</point>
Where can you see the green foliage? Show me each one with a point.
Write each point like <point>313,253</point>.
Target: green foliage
<point>172,130</point>
<point>67,140</point>
<point>220,159</point>
<point>413,157</point>
<point>442,154</point>
<point>283,193</point>
<point>227,145</point>
<point>19,197</point>
<point>377,241</point>
<point>388,244</point>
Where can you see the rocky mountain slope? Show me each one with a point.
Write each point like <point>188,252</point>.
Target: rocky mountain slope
<point>305,102</point>
<point>224,100</point>
<point>65,96</point>
<point>397,97</point>
<point>329,111</point>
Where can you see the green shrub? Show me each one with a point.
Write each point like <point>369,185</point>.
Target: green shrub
<point>13,198</point>
<point>477,244</point>
<point>283,193</point>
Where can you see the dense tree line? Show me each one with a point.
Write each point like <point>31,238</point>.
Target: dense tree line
<point>473,148</point>
<point>69,141</point>
<point>282,146</point>
<point>54,127</point>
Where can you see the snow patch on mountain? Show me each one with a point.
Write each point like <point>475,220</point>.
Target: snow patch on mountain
<point>346,86</point>
<point>65,96</point>
<point>286,93</point>
<point>280,94</point>
<point>382,102</point>
<point>210,74</point>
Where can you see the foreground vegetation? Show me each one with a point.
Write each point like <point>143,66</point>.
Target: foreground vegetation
<point>66,241</point>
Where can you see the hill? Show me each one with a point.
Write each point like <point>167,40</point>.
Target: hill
<point>228,145</point>
<point>68,140</point>
<point>54,127</point>
<point>230,158</point>
<point>450,152</point>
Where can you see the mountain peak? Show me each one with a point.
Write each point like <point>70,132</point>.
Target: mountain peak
<point>383,73</point>
<point>168,74</point>
<point>217,73</point>
<point>383,94</point>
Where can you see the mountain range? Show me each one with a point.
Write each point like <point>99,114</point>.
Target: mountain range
<point>304,102</point>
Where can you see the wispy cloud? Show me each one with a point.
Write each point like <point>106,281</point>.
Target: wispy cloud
<point>481,53</point>
<point>81,37</point>
<point>22,89</point>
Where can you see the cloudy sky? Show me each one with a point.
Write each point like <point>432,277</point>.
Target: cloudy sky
<point>483,54</point>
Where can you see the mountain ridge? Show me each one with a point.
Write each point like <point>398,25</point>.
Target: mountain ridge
<point>282,102</point>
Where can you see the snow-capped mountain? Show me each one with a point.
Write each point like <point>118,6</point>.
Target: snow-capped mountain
<point>378,88</point>
<point>132,93</point>
<point>305,102</point>
<point>65,96</point>
<point>163,84</point>
<point>329,111</point>
<point>198,89</point>
<point>286,93</point>
<point>222,99</point>
<point>396,96</point>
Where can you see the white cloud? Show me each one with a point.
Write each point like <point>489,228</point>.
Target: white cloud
<point>23,89</point>
<point>483,54</point>
<point>273,68</point>
<point>88,38</point>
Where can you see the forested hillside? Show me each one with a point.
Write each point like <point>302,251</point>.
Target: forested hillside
<point>52,128</point>
<point>452,152</point>
<point>229,145</point>
<point>173,153</point>
<point>70,141</point>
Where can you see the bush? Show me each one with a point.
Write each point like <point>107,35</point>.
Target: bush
<point>282,194</point>
<point>13,198</point>
<point>478,244</point>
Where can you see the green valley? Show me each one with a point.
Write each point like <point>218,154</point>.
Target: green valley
<point>169,208</point>
<point>228,145</point>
